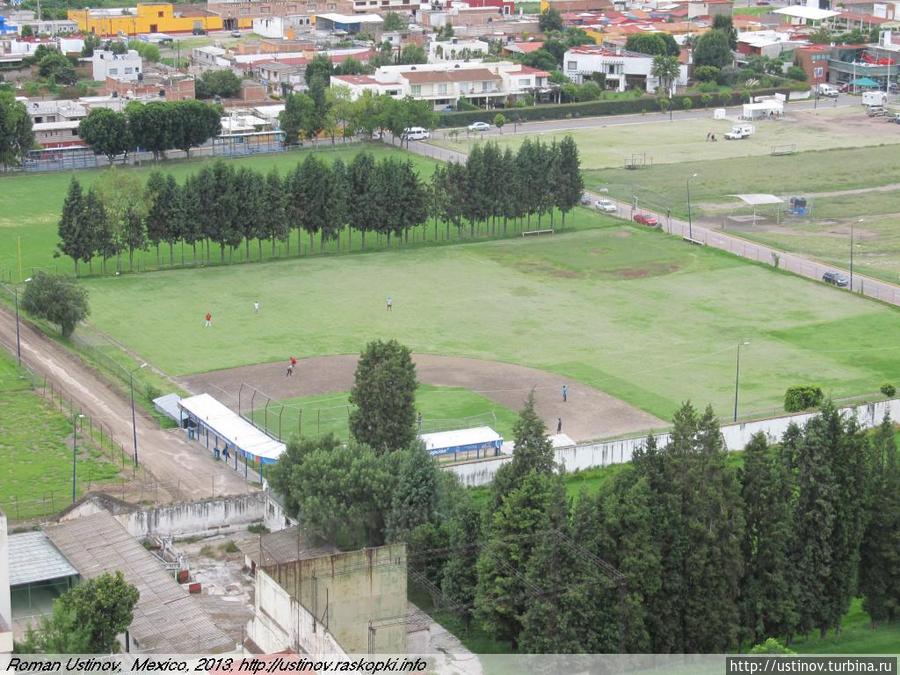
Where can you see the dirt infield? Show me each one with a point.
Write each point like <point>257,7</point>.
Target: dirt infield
<point>589,414</point>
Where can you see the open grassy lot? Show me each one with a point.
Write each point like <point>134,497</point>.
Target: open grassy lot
<point>665,142</point>
<point>36,451</point>
<point>628,311</point>
<point>30,205</point>
<point>442,408</point>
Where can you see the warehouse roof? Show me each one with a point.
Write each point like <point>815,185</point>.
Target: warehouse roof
<point>166,619</point>
<point>34,558</point>
<point>283,546</point>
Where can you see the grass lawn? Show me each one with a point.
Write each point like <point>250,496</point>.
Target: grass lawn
<point>666,142</point>
<point>36,451</point>
<point>629,311</point>
<point>856,637</point>
<point>442,408</point>
<point>30,205</point>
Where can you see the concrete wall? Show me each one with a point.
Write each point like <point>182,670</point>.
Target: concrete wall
<point>6,636</point>
<point>280,622</point>
<point>218,515</point>
<point>736,437</point>
<point>346,591</point>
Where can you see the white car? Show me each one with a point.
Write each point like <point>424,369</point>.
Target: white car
<point>479,126</point>
<point>606,205</point>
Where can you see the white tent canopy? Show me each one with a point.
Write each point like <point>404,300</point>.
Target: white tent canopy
<point>759,199</point>
<point>806,12</point>
<point>231,427</point>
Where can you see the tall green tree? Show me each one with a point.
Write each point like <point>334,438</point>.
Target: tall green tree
<point>384,394</point>
<point>725,24</point>
<point>150,126</point>
<point>107,132</point>
<point>879,568</point>
<point>361,195</point>
<point>134,233</point>
<point>713,49</point>
<point>74,235</point>
<point>460,576</point>
<point>274,216</point>
<point>568,184</point>
<point>550,20</point>
<point>192,123</point>
<point>768,604</point>
<point>104,605</point>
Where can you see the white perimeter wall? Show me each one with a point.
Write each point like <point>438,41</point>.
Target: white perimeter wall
<point>736,437</point>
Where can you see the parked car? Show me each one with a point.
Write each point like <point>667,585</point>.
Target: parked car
<point>199,31</point>
<point>646,219</point>
<point>876,111</point>
<point>479,126</point>
<point>586,200</point>
<point>836,279</point>
<point>740,131</point>
<point>606,205</point>
<point>235,33</point>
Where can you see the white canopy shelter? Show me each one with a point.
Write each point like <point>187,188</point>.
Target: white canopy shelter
<point>759,199</point>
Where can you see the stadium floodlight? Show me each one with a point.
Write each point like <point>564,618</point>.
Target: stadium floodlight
<point>737,374</point>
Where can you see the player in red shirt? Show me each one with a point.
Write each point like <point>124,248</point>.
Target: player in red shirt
<point>208,319</point>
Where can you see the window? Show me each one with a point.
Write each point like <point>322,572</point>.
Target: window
<point>160,14</point>
<point>524,82</point>
<point>611,69</point>
<point>128,71</point>
<point>416,89</point>
<point>572,65</point>
<point>442,88</point>
<point>113,71</point>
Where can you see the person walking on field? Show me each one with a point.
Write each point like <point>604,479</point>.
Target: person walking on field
<point>565,392</point>
<point>390,303</point>
<point>559,425</point>
<point>290,368</point>
<point>208,320</point>
<point>256,307</point>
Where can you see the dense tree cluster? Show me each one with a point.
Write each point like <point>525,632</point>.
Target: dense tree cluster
<point>222,83</point>
<point>226,206</point>
<point>16,136</point>
<point>156,127</point>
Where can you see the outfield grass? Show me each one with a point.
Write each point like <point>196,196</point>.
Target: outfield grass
<point>632,312</point>
<point>36,451</point>
<point>30,205</point>
<point>442,408</point>
<point>666,142</point>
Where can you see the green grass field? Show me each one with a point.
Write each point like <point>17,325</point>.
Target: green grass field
<point>30,205</point>
<point>666,142</point>
<point>629,311</point>
<point>36,451</point>
<point>442,408</point>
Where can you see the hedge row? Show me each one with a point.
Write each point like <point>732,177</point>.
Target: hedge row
<point>558,111</point>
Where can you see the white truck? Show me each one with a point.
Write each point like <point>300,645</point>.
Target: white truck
<point>828,91</point>
<point>739,131</point>
<point>873,98</point>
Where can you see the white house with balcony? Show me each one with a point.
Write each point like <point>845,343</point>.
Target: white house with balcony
<point>444,84</point>
<point>126,67</point>
<point>620,67</point>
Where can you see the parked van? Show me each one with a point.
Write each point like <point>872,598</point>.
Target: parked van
<point>740,131</point>
<point>828,91</point>
<point>415,134</point>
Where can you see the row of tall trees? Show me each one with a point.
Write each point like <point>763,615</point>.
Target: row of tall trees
<point>154,127</point>
<point>227,206</point>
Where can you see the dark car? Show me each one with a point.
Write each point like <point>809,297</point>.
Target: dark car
<point>836,279</point>
<point>646,219</point>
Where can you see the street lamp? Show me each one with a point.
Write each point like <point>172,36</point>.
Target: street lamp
<point>737,375</point>
<point>133,419</point>
<point>18,339</point>
<point>851,252</point>
<point>75,419</point>
<point>690,220</point>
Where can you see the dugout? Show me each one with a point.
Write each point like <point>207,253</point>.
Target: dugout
<point>474,443</point>
<point>227,435</point>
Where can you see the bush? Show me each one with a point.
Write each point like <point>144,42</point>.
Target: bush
<point>888,389</point>
<point>705,100</point>
<point>708,87</point>
<point>687,103</point>
<point>706,73</point>
<point>802,397</point>
<point>58,299</point>
<point>257,528</point>
<point>796,73</point>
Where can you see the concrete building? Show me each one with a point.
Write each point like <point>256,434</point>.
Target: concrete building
<point>444,84</point>
<point>351,24</point>
<point>54,111</point>
<point>618,65</point>
<point>127,67</point>
<point>6,636</point>
<point>770,43</point>
<point>233,12</point>
<point>176,87</point>
<point>456,49</point>
<point>47,27</point>
<point>57,134</point>
<point>323,601</point>
<point>146,18</point>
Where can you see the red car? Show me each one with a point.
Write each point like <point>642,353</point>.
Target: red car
<point>646,219</point>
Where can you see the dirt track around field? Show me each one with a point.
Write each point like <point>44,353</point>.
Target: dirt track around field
<point>589,414</point>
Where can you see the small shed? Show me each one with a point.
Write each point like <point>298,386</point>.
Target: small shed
<point>473,443</point>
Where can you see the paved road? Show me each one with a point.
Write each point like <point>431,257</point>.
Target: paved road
<point>186,470</point>
<point>700,232</point>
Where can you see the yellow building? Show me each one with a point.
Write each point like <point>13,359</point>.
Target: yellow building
<point>147,18</point>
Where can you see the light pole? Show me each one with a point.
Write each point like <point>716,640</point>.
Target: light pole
<point>75,419</point>
<point>851,253</point>
<point>18,339</point>
<point>690,219</point>
<point>737,375</point>
<point>133,419</point>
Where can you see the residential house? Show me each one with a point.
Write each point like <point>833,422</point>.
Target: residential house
<point>445,84</point>
<point>619,66</point>
<point>234,12</point>
<point>127,67</point>
<point>456,49</point>
<point>281,78</point>
<point>768,43</point>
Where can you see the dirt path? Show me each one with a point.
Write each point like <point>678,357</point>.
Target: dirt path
<point>185,469</point>
<point>589,414</point>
